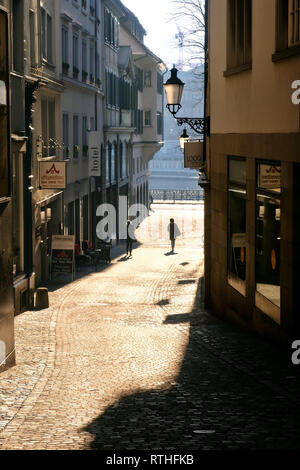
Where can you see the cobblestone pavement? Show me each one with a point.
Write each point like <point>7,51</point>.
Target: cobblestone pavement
<point>126,358</point>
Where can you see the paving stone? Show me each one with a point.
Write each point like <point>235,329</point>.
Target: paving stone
<point>126,358</point>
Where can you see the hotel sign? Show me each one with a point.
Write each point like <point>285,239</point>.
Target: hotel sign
<point>52,175</point>
<point>193,155</point>
<point>94,154</point>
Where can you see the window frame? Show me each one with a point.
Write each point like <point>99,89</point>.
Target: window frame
<point>239,33</point>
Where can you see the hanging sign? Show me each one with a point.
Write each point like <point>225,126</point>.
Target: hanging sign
<point>269,176</point>
<point>63,254</point>
<point>94,153</point>
<point>193,155</point>
<point>52,175</point>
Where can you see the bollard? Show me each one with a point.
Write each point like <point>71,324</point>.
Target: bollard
<point>42,298</point>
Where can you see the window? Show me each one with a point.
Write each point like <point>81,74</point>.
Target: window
<point>92,63</point>
<point>147,79</point>
<point>294,22</point>
<point>112,90</point>
<point>84,137</point>
<point>113,163</point>
<point>268,216</point>
<point>48,127</point>
<point>111,29</point>
<point>18,231</point>
<point>92,7</point>
<point>147,121</point>
<point>92,123</point>
<point>159,83</point>
<point>84,61</point>
<point>65,47</point>
<point>75,56</point>
<point>66,135</point>
<point>84,4</point>
<point>239,33</point>
<point>159,123</point>
<point>124,160</point>
<point>46,35</point>
<point>17,25</point>
<point>107,163</point>
<point>75,136</point>
<point>236,251</point>
<point>32,37</point>
<point>138,122</point>
<point>139,74</point>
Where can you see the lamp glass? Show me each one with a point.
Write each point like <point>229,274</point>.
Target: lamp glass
<point>183,139</point>
<point>173,93</point>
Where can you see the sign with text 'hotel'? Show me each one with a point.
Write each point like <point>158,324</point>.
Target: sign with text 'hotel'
<point>94,153</point>
<point>52,175</point>
<point>193,155</point>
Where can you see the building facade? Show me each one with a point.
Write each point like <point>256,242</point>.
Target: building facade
<point>7,348</point>
<point>147,105</point>
<point>252,228</point>
<point>81,73</point>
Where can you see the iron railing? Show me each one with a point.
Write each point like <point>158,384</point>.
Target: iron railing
<point>177,195</point>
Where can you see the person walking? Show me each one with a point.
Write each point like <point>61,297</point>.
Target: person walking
<point>174,233</point>
<point>130,238</point>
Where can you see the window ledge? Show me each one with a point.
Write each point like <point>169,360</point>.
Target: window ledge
<point>237,69</point>
<point>286,53</point>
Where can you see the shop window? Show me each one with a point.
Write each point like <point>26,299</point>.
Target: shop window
<point>237,223</point>
<point>267,257</point>
<point>17,233</point>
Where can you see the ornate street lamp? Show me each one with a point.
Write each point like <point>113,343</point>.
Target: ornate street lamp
<point>174,89</point>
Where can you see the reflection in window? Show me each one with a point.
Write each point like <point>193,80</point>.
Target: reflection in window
<point>113,163</point>
<point>237,224</point>
<point>107,159</point>
<point>2,93</point>
<point>268,231</point>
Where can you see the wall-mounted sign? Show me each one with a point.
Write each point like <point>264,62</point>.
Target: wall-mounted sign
<point>52,175</point>
<point>94,153</point>
<point>193,155</point>
<point>63,254</point>
<point>238,240</point>
<point>269,176</point>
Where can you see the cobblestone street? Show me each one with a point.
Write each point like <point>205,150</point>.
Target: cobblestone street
<point>127,358</point>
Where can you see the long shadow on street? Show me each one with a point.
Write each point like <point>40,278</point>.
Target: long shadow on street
<point>234,391</point>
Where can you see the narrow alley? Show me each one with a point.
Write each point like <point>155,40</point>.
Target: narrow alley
<point>127,358</point>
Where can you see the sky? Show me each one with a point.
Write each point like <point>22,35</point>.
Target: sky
<point>155,17</point>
